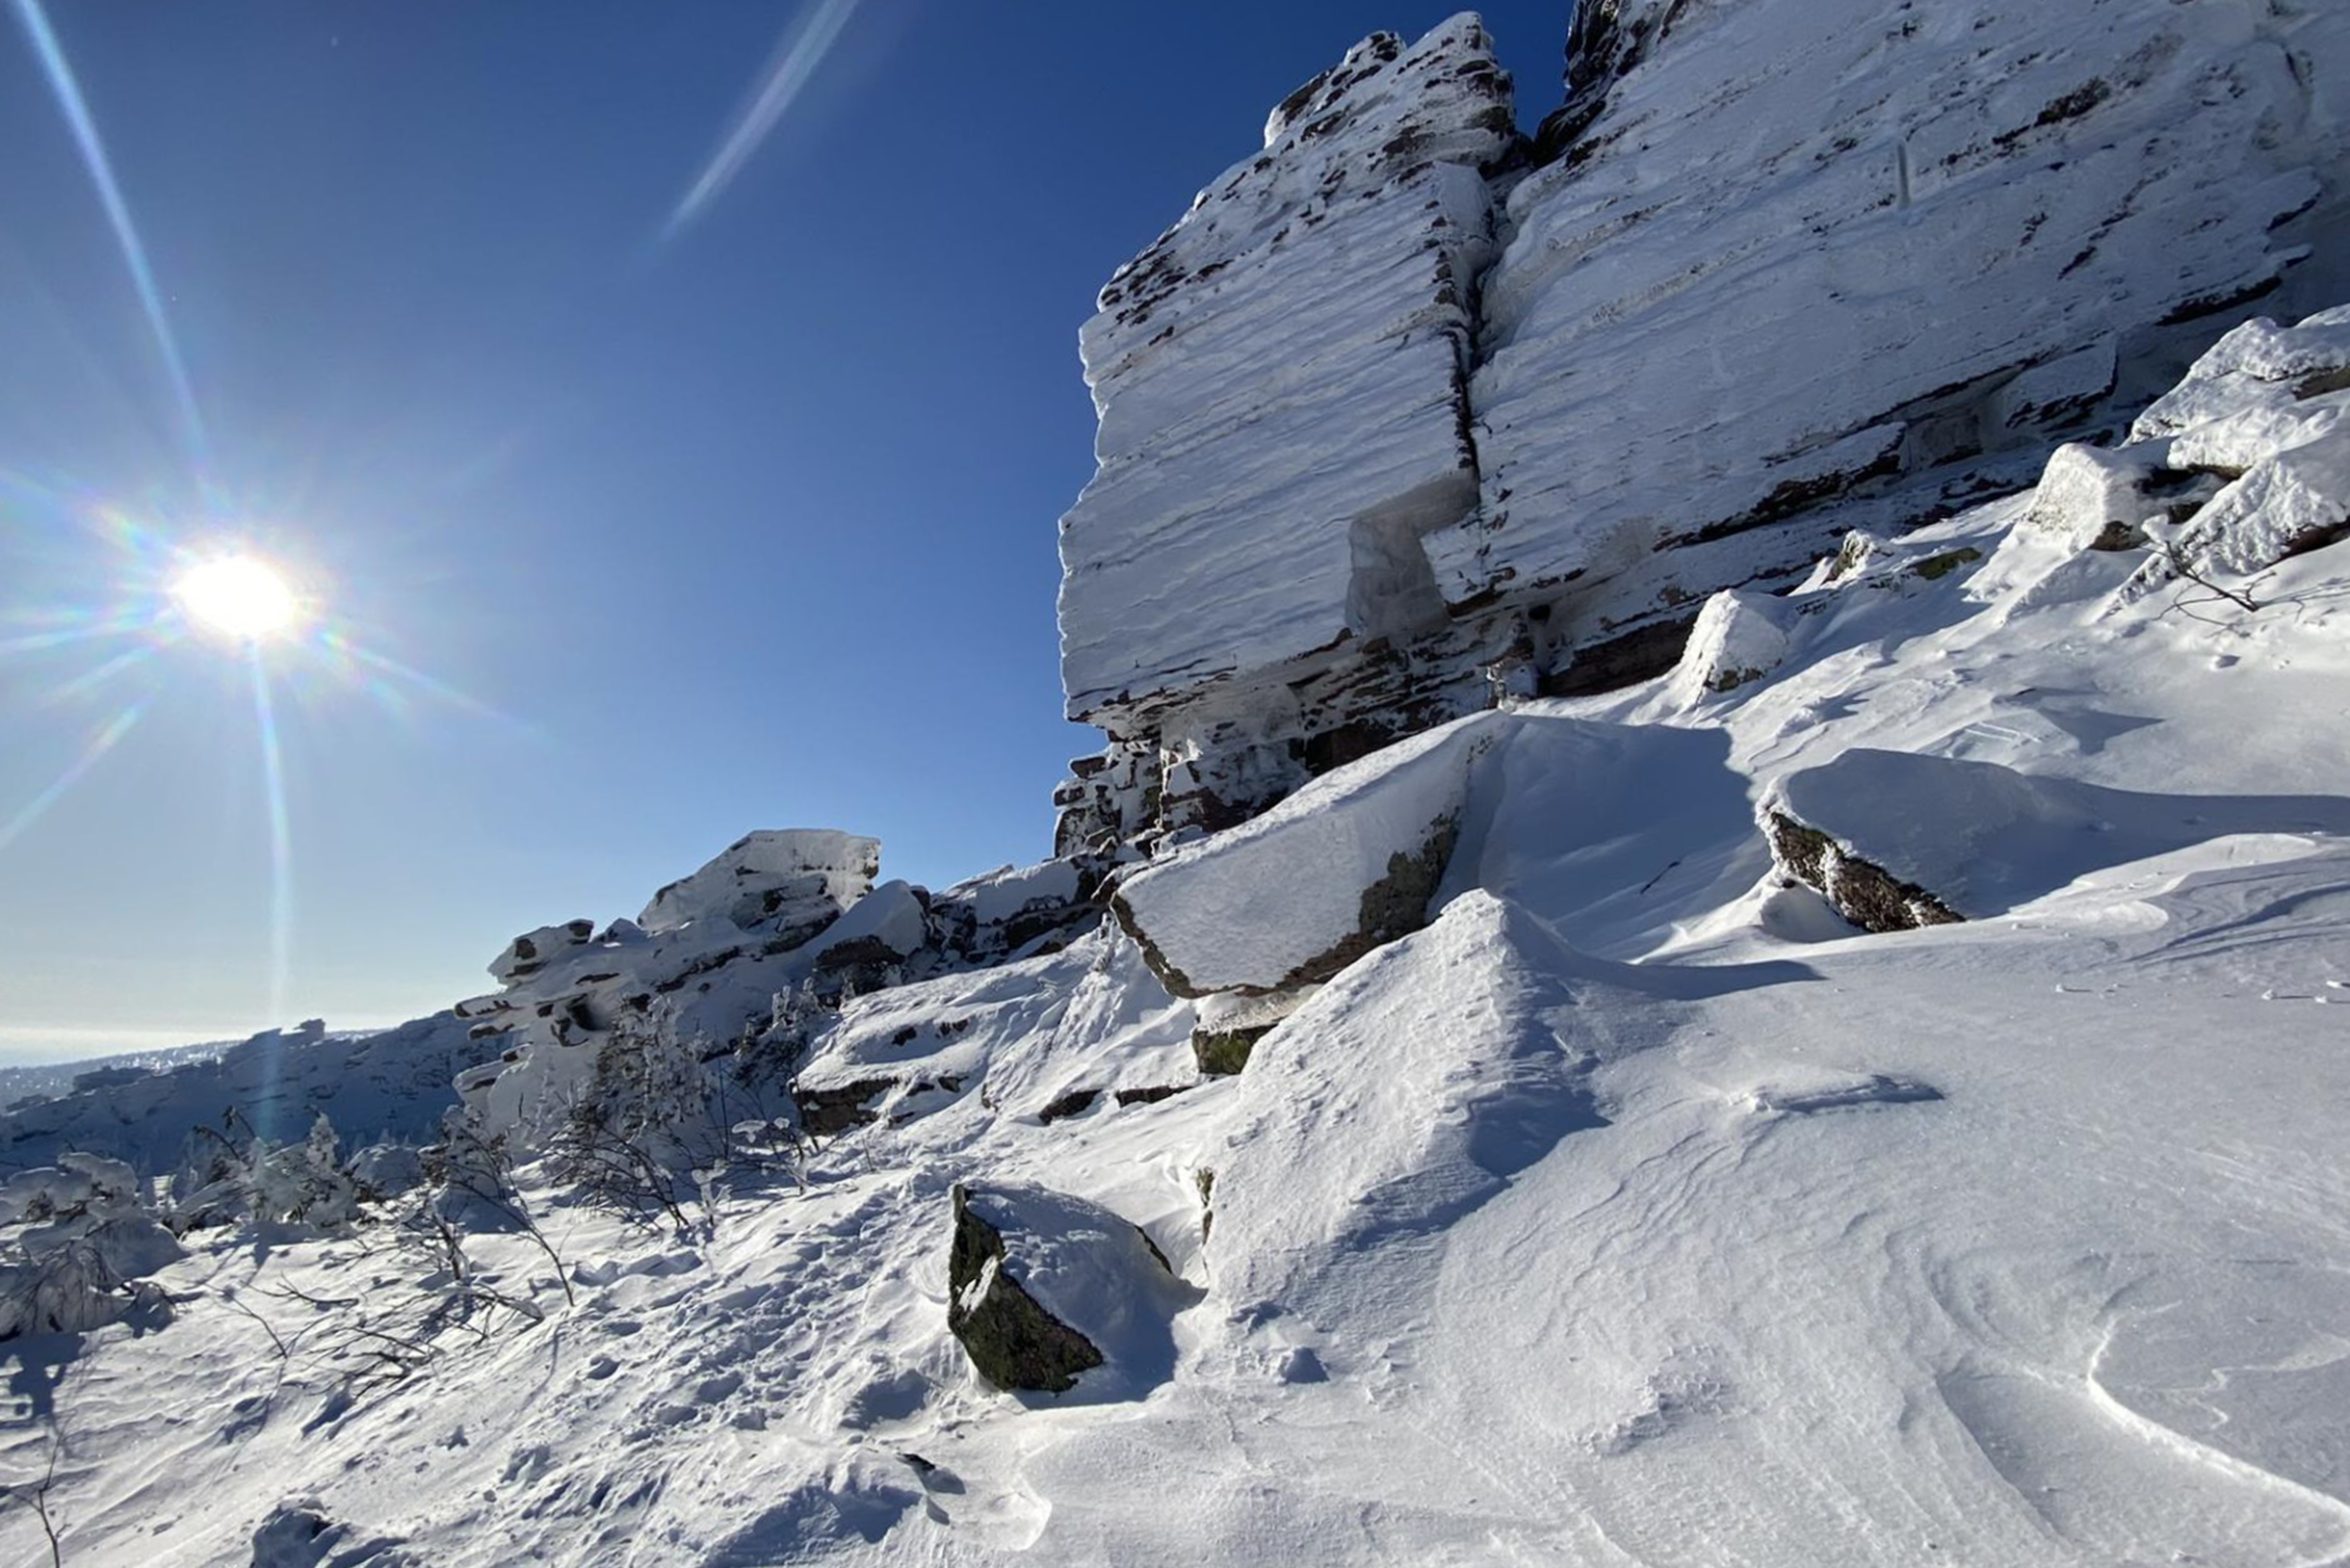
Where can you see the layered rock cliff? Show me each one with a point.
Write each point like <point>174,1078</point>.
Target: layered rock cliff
<point>1407,413</point>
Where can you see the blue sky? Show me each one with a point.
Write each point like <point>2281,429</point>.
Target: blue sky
<point>684,527</point>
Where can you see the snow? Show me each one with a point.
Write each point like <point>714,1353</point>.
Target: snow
<point>2018,1242</point>
<point>1614,1203</point>
<point>1738,638</point>
<point>1635,1209</point>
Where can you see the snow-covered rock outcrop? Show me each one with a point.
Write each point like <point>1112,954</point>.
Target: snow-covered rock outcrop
<point>393,1083</point>
<point>1320,285</point>
<point>1756,285</point>
<point>791,884</point>
<point>1282,381</point>
<point>718,957</point>
<point>2265,414</point>
<point>1793,236</point>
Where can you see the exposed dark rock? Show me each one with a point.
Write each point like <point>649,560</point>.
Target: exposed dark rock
<point>1072,1104</point>
<point>1170,976</point>
<point>2212,304</point>
<point>1864,894</point>
<point>1396,905</point>
<point>1793,497</point>
<point>825,1112</point>
<point>798,936</point>
<point>1151,1094</point>
<point>2320,382</point>
<point>1624,660</point>
<point>1013,1342</point>
<point>703,965</point>
<point>858,952</point>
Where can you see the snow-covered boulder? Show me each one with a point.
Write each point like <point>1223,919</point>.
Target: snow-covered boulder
<point>995,915</point>
<point>532,951</point>
<point>789,882</point>
<point>2287,503</point>
<point>2094,497</point>
<point>1045,1288</point>
<point>1859,889</point>
<point>874,938</point>
<point>2259,369</point>
<point>1331,872</point>
<point>2266,416</point>
<point>1739,638</point>
<point>1897,840</point>
<point>885,925</point>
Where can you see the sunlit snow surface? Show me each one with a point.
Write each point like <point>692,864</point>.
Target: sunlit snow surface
<point>1636,1211</point>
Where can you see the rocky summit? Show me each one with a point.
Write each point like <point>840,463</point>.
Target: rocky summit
<point>1408,408</point>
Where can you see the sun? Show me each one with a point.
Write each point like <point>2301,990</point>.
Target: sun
<point>240,597</point>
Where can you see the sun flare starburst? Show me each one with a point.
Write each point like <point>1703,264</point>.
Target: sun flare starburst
<point>240,597</point>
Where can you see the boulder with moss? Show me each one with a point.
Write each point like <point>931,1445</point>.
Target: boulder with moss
<point>1044,1289</point>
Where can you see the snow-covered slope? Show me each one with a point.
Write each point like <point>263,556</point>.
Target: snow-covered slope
<point>1635,1208</point>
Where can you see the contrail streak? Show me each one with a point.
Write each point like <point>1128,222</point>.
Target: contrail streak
<point>76,110</point>
<point>99,745</point>
<point>803,50</point>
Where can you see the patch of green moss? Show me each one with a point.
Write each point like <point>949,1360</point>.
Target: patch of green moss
<point>1221,1053</point>
<point>1933,568</point>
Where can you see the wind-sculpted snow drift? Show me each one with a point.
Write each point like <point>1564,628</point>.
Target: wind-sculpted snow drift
<point>1403,413</point>
<point>1869,1094</point>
